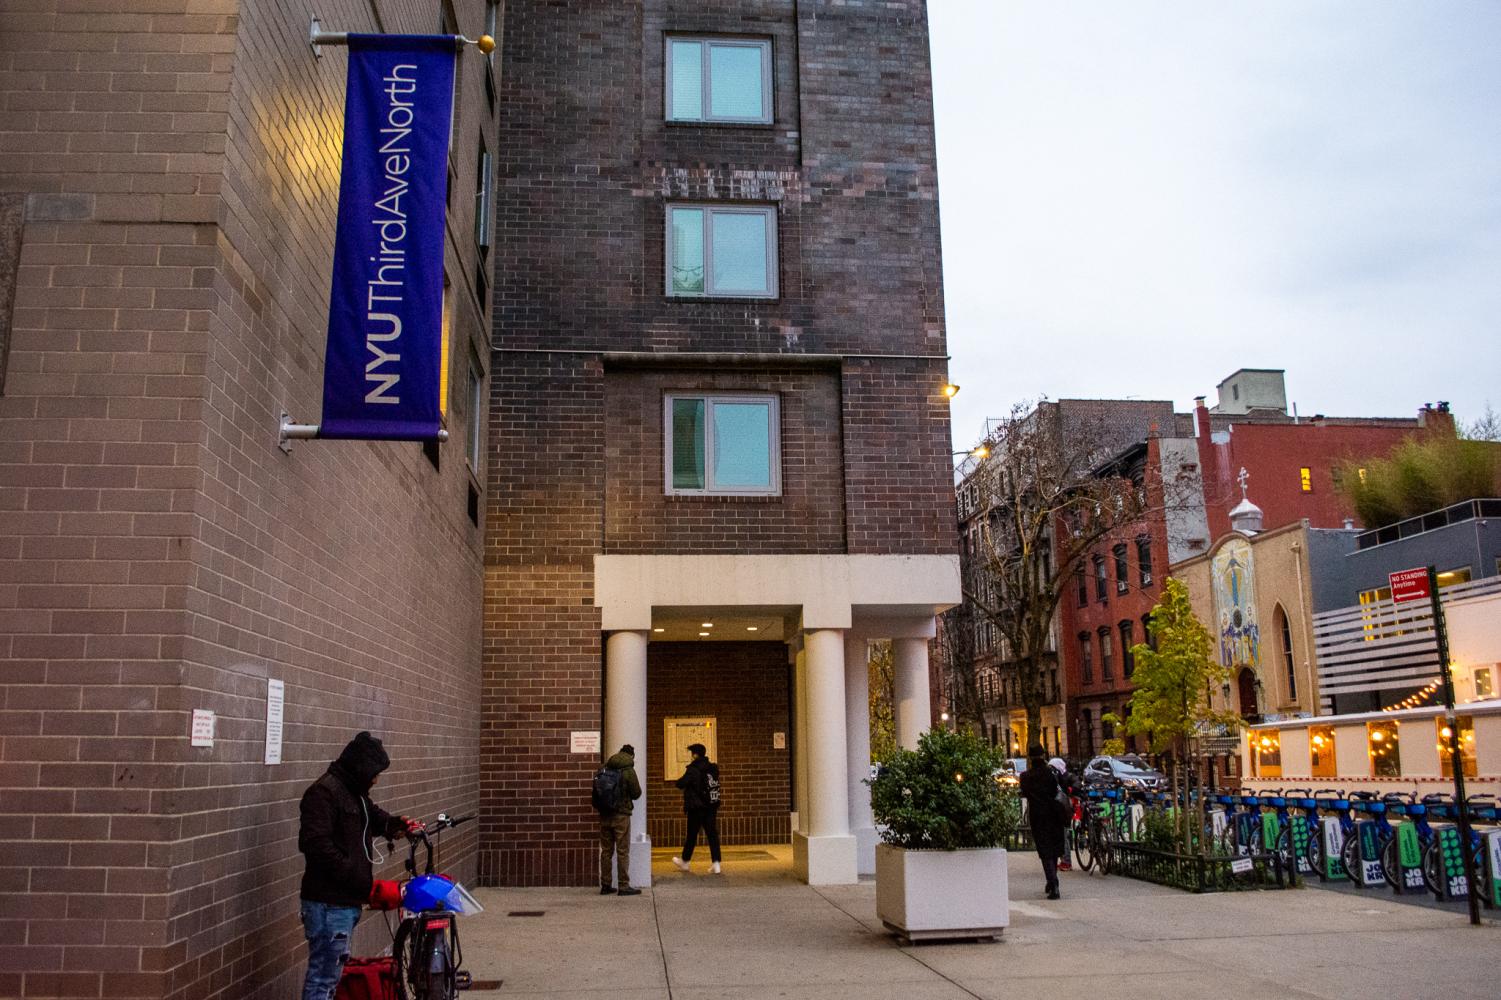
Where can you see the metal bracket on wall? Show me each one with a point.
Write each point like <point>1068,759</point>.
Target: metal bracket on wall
<point>290,432</point>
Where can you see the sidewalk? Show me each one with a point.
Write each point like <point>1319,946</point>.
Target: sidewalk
<point>755,932</point>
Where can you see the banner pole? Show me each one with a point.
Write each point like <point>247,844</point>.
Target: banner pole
<point>317,37</point>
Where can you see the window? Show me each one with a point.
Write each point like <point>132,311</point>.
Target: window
<point>1452,577</point>
<point>1466,746</point>
<point>1381,745</point>
<point>1305,479</point>
<point>476,398</point>
<point>1086,658</point>
<point>484,207</point>
<point>728,250</point>
<point>1266,760</point>
<point>1082,584</point>
<point>1287,654</point>
<point>1484,683</point>
<point>492,28</point>
<point>723,445</point>
<point>1128,639</point>
<point>1105,667</point>
<point>1321,752</point>
<point>1122,569</point>
<point>724,80</point>
<point>1100,583</point>
<point>1144,559</point>
<point>1146,632</point>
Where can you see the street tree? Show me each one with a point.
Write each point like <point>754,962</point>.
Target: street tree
<point>882,701</point>
<point>1051,487</point>
<point>1176,671</point>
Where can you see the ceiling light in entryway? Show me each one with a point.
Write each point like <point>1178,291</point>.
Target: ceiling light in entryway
<point>751,628</point>
<point>703,633</point>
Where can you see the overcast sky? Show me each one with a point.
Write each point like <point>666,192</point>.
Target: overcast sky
<point>1139,198</point>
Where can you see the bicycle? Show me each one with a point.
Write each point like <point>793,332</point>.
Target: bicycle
<point>1350,852</point>
<point>428,957</point>
<point>1299,838</point>
<point>1335,803</point>
<point>1437,869</point>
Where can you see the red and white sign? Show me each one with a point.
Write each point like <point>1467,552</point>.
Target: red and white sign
<point>1409,585</point>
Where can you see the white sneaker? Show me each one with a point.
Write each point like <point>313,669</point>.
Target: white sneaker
<point>714,868</point>
<point>681,864</point>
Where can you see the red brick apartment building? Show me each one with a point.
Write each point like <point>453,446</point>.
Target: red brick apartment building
<point>706,313</point>
<point>1289,464</point>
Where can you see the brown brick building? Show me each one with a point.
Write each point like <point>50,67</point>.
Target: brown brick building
<point>710,323</point>
<point>719,442</point>
<point>168,182</point>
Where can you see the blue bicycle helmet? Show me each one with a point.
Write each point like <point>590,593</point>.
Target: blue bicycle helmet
<point>426,892</point>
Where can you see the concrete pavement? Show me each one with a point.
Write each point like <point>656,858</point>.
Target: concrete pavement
<point>754,932</point>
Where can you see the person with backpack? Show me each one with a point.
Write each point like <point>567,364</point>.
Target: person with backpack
<point>1045,797</point>
<point>700,785</point>
<point>616,788</point>
<point>1070,786</point>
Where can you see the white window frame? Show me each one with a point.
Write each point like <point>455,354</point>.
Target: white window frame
<point>774,443</point>
<point>474,446</point>
<point>705,42</point>
<point>711,209</point>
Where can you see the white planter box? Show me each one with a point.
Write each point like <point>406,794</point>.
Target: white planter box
<point>942,894</point>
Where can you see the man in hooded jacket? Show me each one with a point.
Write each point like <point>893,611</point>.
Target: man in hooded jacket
<point>700,785</point>
<point>338,824</point>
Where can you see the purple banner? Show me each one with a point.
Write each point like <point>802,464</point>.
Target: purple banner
<point>385,316</point>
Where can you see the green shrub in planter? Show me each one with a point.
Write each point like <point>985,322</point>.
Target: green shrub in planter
<point>944,795</point>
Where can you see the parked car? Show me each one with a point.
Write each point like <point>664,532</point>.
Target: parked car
<point>1010,771</point>
<point>1119,770</point>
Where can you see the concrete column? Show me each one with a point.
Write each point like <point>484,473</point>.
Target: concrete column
<point>914,711</point>
<point>857,734</point>
<point>625,722</point>
<point>826,854</point>
<point>799,738</point>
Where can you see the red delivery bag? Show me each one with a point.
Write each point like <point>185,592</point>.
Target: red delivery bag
<point>368,979</point>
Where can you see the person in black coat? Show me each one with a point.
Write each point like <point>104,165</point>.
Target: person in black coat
<point>1039,786</point>
<point>339,822</point>
<point>700,785</point>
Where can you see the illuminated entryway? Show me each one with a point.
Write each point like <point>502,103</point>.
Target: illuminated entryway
<point>803,621</point>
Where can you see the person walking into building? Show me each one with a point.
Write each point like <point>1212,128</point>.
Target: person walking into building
<point>616,789</point>
<point>1040,787</point>
<point>338,823</point>
<point>700,785</point>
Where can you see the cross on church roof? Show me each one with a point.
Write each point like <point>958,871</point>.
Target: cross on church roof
<point>1243,479</point>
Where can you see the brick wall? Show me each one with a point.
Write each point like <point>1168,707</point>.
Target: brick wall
<point>744,686</point>
<point>179,167</point>
<point>808,516</point>
<point>585,342</point>
<point>542,647</point>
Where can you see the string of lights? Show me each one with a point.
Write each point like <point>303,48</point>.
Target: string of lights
<point>1414,700</point>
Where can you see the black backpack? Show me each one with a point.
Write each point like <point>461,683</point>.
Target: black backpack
<point>609,790</point>
<point>711,787</point>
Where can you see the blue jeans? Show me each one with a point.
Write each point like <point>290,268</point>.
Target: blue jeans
<point>328,929</point>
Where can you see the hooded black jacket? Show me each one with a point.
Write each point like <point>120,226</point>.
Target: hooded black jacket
<point>695,784</point>
<point>338,823</point>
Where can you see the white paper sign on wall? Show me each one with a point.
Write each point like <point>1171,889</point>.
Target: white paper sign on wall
<point>203,728</point>
<point>276,701</point>
<point>678,734</point>
<point>586,741</point>
<point>779,741</point>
